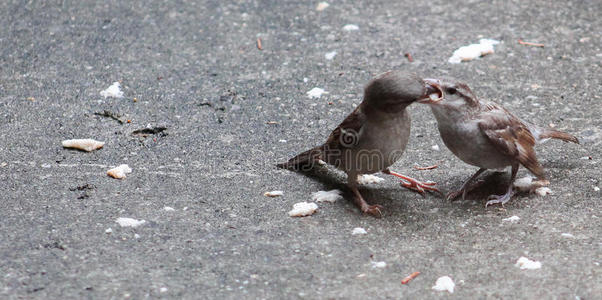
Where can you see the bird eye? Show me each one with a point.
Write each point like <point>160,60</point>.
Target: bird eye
<point>451,90</point>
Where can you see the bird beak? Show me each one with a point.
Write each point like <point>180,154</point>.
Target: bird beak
<point>433,93</point>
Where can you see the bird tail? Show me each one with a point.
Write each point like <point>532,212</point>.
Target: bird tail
<point>543,134</point>
<point>303,161</point>
<point>555,134</point>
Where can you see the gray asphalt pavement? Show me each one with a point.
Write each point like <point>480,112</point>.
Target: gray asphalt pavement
<point>194,68</point>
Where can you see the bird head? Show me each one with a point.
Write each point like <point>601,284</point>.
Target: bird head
<point>449,94</point>
<point>393,91</point>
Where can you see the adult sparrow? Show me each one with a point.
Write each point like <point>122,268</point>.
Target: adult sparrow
<point>373,136</point>
<point>486,135</point>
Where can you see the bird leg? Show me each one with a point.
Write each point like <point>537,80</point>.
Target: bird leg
<point>413,184</point>
<point>466,187</point>
<point>502,199</point>
<point>373,210</point>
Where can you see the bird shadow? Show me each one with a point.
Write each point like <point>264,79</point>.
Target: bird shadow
<point>492,183</point>
<point>331,179</point>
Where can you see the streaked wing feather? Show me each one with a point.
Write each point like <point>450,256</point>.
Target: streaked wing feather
<point>510,136</point>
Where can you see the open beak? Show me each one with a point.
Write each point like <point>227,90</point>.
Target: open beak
<point>433,93</point>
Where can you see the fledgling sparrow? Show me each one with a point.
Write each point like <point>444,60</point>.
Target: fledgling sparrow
<point>373,136</point>
<point>486,135</point>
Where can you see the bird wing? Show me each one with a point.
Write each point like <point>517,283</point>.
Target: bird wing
<point>511,136</point>
<point>349,132</point>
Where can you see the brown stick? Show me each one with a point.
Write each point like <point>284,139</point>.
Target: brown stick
<point>408,56</point>
<point>426,168</point>
<point>259,44</point>
<point>530,44</point>
<point>410,277</point>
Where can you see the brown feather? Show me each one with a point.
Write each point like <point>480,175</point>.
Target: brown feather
<point>511,137</point>
<point>559,135</point>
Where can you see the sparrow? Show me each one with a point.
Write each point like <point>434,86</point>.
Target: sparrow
<point>486,135</point>
<point>372,137</point>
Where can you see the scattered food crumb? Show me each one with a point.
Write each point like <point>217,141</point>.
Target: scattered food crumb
<point>351,27</point>
<point>120,171</point>
<point>110,114</point>
<point>378,264</point>
<point>530,44</point>
<point>526,264</point>
<point>113,91</point>
<point>426,168</point>
<point>368,179</point>
<point>358,230</point>
<point>163,290</point>
<point>129,222</point>
<point>543,191</point>
<point>282,141</point>
<point>83,144</point>
<point>444,283</point>
<point>271,122</point>
<point>273,194</point>
<point>511,219</point>
<point>315,93</point>
<point>410,277</point>
<point>568,235</point>
<point>523,184</point>
<point>259,46</point>
<point>330,55</point>
<point>109,231</point>
<point>435,147</point>
<point>408,55</point>
<point>327,196</point>
<point>596,189</point>
<point>148,130</point>
<point>322,6</point>
<point>167,208</point>
<point>472,51</point>
<point>528,184</point>
<point>361,275</point>
<point>303,209</point>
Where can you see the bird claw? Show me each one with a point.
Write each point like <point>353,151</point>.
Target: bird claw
<point>451,196</point>
<point>501,199</point>
<point>374,210</point>
<point>420,187</point>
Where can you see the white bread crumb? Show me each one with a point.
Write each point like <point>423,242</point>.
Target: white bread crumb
<point>113,91</point>
<point>129,222</point>
<point>444,283</point>
<point>119,172</point>
<point>273,194</point>
<point>327,196</point>
<point>83,144</point>
<point>526,264</point>
<point>303,209</point>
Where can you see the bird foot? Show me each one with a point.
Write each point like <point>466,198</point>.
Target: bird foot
<point>501,199</point>
<point>374,210</point>
<point>419,186</point>
<point>451,196</point>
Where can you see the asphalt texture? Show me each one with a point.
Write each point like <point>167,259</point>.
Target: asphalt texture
<point>231,111</point>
